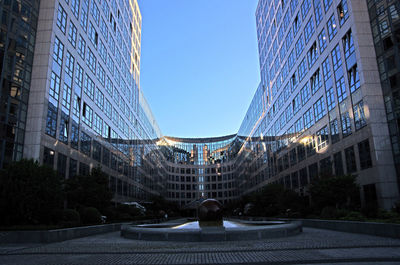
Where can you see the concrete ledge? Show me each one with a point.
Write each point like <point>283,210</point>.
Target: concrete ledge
<point>369,228</point>
<point>255,232</point>
<point>49,236</point>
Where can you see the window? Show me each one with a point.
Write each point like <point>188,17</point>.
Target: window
<point>305,7</point>
<point>305,94</point>
<point>296,25</point>
<point>101,76</point>
<point>346,124</point>
<point>299,46</point>
<point>98,124</point>
<point>99,98</point>
<point>95,12</point>
<point>302,69</point>
<point>63,133</point>
<point>327,4</point>
<point>326,69</point>
<point>104,29</point>
<point>87,115</point>
<point>73,166</point>
<point>308,119</point>
<point>309,30</point>
<point>93,36</point>
<point>332,28</point>
<point>334,131</point>
<point>310,146</point>
<point>51,121</point>
<point>343,13</point>
<point>318,11</point>
<point>312,55</point>
<point>85,148</point>
<point>319,109</point>
<point>89,87</point>
<point>103,52</point>
<point>354,79</point>
<point>79,75</point>
<point>58,51</point>
<point>341,89</point>
<point>336,59</point>
<point>330,98</point>
<point>81,46</point>
<point>54,90</point>
<point>61,19</point>
<point>109,86</point>
<point>69,65</point>
<point>359,115</point>
<point>66,100</point>
<point>364,153</point>
<point>322,41</point>
<point>338,163</point>
<point>72,34</point>
<point>315,82</point>
<point>108,109</point>
<point>84,15</point>
<point>75,7</point>
<point>350,160</point>
<point>74,135</point>
<point>297,103</point>
<point>91,61</point>
<point>348,44</point>
<point>76,110</point>
<point>299,126</point>
<point>322,138</point>
<point>96,154</point>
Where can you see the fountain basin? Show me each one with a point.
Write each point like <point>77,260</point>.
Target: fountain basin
<point>233,230</point>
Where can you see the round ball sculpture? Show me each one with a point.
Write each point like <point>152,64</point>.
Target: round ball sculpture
<point>210,213</point>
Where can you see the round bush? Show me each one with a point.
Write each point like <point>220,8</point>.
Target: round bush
<point>70,217</point>
<point>90,215</point>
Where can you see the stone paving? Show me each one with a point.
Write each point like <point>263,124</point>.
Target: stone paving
<point>313,246</point>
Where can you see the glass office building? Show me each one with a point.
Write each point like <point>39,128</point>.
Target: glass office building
<point>17,43</point>
<point>325,110</point>
<point>326,105</point>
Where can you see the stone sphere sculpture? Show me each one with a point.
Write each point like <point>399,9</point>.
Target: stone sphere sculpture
<point>210,213</point>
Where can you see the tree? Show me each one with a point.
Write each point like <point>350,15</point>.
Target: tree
<point>335,191</point>
<point>29,193</point>
<point>89,191</point>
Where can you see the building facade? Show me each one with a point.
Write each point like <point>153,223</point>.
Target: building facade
<point>84,105</point>
<point>326,105</point>
<point>325,111</point>
<point>17,44</point>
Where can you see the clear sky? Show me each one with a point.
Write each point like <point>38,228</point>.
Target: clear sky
<point>199,64</point>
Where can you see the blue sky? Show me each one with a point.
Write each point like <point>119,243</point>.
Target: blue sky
<point>199,64</point>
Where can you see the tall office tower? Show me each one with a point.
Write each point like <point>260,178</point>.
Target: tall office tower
<point>84,108</point>
<point>325,105</point>
<point>17,41</point>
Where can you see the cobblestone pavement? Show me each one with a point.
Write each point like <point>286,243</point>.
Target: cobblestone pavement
<point>314,246</point>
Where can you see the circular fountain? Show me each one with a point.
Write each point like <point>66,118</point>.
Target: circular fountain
<point>211,227</point>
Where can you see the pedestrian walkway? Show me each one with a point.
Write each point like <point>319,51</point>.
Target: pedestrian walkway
<point>312,246</point>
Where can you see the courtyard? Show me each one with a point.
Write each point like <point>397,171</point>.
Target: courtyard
<point>313,246</point>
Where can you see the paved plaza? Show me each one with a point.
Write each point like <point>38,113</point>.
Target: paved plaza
<point>313,246</point>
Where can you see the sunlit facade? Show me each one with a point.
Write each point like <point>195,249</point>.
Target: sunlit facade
<point>85,106</point>
<point>324,107</point>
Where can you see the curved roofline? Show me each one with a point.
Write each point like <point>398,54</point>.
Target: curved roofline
<point>201,140</point>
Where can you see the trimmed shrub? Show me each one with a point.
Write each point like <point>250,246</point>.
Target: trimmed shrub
<point>90,215</point>
<point>328,212</point>
<point>70,217</point>
<point>353,216</point>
